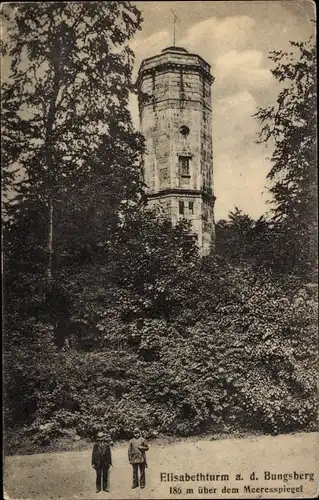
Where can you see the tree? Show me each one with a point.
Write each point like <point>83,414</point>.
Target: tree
<point>66,97</point>
<point>152,263</point>
<point>233,236</point>
<point>68,131</point>
<point>241,238</point>
<point>145,275</point>
<point>291,126</point>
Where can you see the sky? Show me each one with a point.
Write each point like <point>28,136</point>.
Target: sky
<point>235,38</point>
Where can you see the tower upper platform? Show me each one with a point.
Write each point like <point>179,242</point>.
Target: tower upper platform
<point>172,58</point>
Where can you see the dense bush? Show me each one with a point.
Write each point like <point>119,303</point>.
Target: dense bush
<point>243,356</point>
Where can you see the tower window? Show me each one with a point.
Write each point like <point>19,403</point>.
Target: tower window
<point>181,207</point>
<point>191,207</point>
<point>184,130</point>
<point>184,165</point>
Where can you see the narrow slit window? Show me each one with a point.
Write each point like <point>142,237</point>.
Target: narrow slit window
<point>181,207</point>
<point>184,165</point>
<point>191,207</point>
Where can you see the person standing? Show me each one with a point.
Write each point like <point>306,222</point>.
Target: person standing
<point>137,457</point>
<point>102,461</point>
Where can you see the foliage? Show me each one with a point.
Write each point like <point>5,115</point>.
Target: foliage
<point>291,126</point>
<point>245,358</point>
<point>68,131</point>
<point>151,263</point>
<point>241,238</point>
<point>59,56</point>
<point>74,131</point>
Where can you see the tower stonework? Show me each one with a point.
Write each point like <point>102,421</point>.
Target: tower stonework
<point>176,121</point>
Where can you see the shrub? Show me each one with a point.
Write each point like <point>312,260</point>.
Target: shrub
<point>243,356</point>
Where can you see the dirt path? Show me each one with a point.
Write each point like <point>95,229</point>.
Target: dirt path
<point>68,475</point>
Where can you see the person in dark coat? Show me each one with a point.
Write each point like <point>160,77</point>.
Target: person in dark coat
<point>102,461</point>
<point>137,457</point>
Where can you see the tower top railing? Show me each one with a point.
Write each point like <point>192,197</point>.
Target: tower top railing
<point>174,58</point>
<point>172,48</point>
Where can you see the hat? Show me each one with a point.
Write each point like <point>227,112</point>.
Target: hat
<point>100,435</point>
<point>136,430</point>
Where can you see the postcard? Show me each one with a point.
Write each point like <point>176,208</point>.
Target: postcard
<point>159,250</point>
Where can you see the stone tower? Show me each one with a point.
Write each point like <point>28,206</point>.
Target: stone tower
<point>176,120</point>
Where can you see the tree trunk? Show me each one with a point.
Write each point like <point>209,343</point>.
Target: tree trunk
<point>51,168</point>
<point>50,239</point>
<point>3,278</point>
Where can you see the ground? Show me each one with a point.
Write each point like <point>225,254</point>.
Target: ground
<point>68,475</point>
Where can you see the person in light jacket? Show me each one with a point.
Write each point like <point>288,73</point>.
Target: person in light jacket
<point>137,457</point>
<point>102,461</point>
